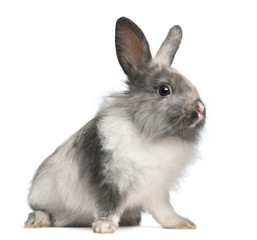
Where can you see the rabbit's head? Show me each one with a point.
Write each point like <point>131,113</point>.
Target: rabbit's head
<point>162,102</point>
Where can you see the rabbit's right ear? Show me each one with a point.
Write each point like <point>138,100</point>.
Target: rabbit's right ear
<point>169,47</point>
<point>131,46</point>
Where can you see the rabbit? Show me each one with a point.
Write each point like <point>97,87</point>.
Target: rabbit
<point>132,153</point>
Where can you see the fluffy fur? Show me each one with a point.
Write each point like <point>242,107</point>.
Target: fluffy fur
<point>127,158</point>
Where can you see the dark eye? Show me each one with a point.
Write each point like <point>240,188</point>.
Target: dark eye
<point>164,90</point>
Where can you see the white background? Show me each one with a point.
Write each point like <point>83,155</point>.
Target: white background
<point>57,58</point>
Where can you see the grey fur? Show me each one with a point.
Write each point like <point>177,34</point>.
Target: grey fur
<point>131,217</point>
<point>146,109</point>
<point>88,151</point>
<point>72,185</point>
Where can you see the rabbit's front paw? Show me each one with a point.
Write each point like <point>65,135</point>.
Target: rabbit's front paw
<point>185,223</point>
<point>104,227</point>
<point>178,222</point>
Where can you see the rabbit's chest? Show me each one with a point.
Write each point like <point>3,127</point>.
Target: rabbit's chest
<point>137,163</point>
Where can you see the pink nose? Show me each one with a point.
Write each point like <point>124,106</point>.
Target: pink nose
<point>200,111</point>
<point>200,108</point>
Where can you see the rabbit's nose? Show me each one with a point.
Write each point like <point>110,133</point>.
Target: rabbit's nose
<point>200,108</point>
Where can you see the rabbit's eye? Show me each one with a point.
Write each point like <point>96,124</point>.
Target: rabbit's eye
<point>164,90</point>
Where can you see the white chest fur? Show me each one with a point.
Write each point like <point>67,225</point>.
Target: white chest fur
<point>139,164</point>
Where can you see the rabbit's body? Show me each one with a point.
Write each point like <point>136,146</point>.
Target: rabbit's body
<point>131,154</point>
<point>135,167</point>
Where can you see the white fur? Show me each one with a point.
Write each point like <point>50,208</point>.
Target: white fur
<point>145,168</point>
<point>58,186</point>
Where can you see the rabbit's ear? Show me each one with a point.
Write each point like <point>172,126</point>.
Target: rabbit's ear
<point>131,46</point>
<point>169,47</point>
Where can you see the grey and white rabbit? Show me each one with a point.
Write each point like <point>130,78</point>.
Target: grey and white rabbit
<point>132,153</point>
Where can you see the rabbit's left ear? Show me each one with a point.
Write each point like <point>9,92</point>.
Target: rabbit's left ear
<point>169,47</point>
<point>131,46</point>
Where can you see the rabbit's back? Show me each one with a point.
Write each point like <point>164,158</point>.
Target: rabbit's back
<point>60,188</point>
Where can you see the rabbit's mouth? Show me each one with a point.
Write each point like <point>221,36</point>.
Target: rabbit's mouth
<point>197,116</point>
<point>192,127</point>
<point>190,134</point>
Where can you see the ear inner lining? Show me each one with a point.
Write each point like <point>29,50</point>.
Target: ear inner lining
<point>133,48</point>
